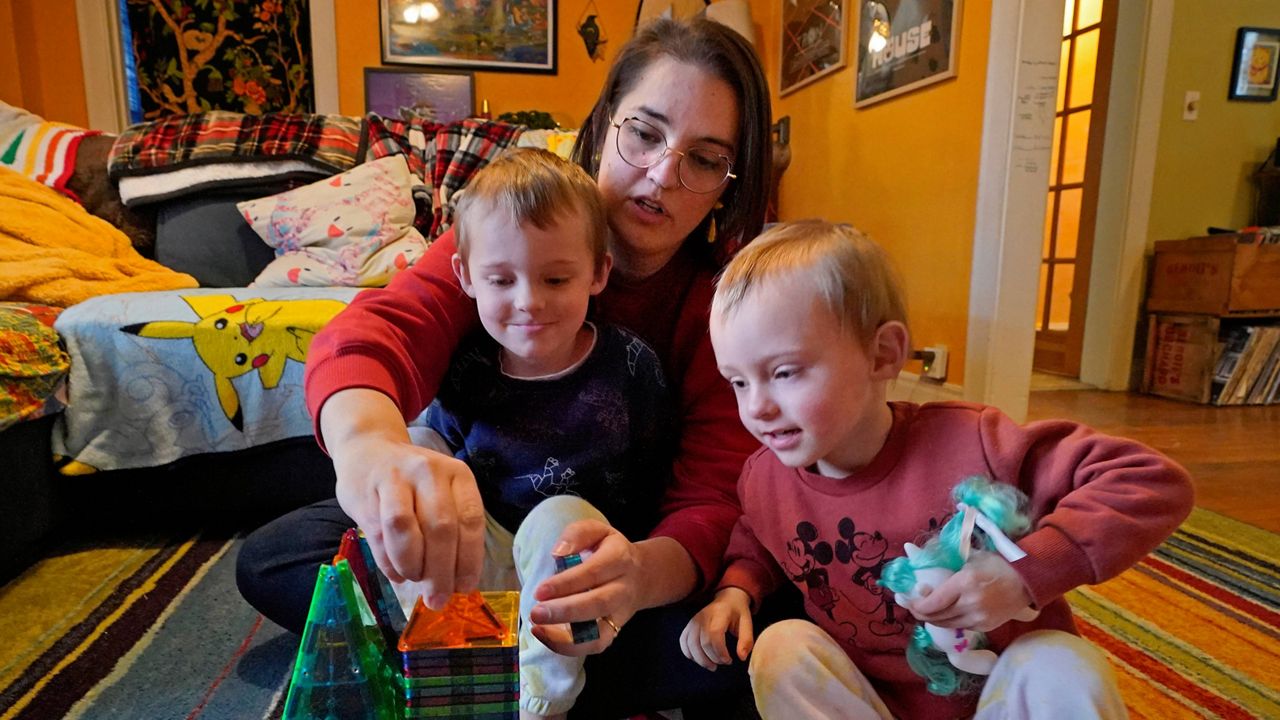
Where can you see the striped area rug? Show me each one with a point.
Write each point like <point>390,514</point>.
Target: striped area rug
<point>156,630</point>
<point>1194,629</point>
<point>144,630</point>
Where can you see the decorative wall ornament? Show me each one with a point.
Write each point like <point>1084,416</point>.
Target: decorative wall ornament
<point>590,31</point>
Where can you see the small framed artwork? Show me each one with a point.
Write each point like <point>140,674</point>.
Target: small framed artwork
<point>904,45</point>
<point>495,35</point>
<point>1253,67</point>
<point>439,96</point>
<point>814,36</point>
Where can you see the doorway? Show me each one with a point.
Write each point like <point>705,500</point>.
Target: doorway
<point>1084,81</point>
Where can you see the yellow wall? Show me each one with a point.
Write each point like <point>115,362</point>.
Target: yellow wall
<point>568,95</point>
<point>904,170</point>
<point>40,67</point>
<point>1203,167</point>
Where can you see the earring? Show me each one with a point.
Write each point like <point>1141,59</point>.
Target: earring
<point>711,229</point>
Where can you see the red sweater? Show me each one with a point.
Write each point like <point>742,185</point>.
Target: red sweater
<point>1098,505</point>
<point>399,340</point>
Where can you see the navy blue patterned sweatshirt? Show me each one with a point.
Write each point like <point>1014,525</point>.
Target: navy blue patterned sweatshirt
<point>604,431</point>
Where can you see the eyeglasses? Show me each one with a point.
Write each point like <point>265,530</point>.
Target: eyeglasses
<point>642,145</point>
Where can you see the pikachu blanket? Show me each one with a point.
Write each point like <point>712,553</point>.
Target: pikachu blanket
<point>53,252</point>
<point>160,376</point>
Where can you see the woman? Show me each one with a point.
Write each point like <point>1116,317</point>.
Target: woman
<point>678,142</point>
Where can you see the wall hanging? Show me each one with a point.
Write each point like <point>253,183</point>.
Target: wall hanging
<point>495,35</point>
<point>248,57</point>
<point>813,41</point>
<point>1253,66</point>
<point>438,96</point>
<point>903,45</point>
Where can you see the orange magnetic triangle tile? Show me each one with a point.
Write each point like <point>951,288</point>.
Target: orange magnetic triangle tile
<point>465,619</point>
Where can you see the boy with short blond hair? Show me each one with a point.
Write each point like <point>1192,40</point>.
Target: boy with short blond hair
<point>809,326</point>
<point>559,419</point>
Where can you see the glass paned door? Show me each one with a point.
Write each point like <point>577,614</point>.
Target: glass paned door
<point>1088,34</point>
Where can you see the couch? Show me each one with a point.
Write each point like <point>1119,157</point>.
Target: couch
<point>156,413</point>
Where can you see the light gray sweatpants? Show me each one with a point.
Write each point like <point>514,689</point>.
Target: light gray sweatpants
<point>799,671</point>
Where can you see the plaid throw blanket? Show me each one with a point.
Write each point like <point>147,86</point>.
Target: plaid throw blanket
<point>444,156</point>
<point>332,143</point>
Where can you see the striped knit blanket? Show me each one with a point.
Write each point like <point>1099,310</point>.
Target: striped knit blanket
<point>43,151</point>
<point>157,630</point>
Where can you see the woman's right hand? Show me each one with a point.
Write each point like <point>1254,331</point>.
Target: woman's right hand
<point>420,510</point>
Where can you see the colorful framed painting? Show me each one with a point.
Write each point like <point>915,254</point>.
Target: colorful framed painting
<point>1253,66</point>
<point>814,37</point>
<point>493,35</point>
<point>440,96</point>
<point>904,45</point>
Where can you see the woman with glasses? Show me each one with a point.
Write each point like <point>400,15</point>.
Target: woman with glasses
<point>679,144</point>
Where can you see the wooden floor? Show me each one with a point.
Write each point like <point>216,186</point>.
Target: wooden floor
<point>1233,453</point>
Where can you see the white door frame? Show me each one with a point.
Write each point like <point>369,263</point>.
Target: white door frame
<point>1013,180</point>
<point>102,59</point>
<point>1143,32</point>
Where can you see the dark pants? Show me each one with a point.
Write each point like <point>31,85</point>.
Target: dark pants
<point>643,670</point>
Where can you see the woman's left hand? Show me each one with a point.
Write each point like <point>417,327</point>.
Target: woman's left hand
<point>608,584</point>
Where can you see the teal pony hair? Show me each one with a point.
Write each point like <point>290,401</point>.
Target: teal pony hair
<point>1005,506</point>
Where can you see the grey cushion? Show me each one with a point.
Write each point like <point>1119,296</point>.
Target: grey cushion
<point>206,237</point>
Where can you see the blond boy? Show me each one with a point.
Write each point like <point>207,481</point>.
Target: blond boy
<point>809,326</point>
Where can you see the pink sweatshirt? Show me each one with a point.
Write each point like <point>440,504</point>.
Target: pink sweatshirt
<point>399,340</point>
<point>1098,505</point>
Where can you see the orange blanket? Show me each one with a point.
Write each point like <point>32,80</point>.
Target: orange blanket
<point>53,252</point>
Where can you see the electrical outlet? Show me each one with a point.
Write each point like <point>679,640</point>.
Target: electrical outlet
<point>935,362</point>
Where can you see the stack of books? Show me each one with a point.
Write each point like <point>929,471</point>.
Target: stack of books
<point>1248,368</point>
<point>464,661</point>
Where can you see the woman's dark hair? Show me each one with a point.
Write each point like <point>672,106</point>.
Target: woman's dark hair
<point>726,55</point>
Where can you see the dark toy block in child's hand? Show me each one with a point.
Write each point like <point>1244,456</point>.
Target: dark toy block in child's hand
<point>584,630</point>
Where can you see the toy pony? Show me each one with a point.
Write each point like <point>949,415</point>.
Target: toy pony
<point>952,659</point>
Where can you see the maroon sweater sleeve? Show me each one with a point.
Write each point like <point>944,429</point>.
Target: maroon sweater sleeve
<point>1100,503</point>
<point>701,505</point>
<point>397,340</point>
<point>748,563</point>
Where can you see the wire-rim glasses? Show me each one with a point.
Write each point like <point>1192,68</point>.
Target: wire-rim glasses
<point>642,145</point>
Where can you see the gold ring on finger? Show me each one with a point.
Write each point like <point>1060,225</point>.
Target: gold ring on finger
<point>612,624</point>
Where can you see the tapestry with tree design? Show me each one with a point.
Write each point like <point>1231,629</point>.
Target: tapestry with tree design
<point>248,56</point>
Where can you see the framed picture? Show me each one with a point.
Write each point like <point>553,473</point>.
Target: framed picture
<point>814,36</point>
<point>1253,67</point>
<point>904,45</point>
<point>498,35</point>
<point>440,96</point>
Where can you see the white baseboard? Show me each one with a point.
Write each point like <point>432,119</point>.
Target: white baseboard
<point>913,388</point>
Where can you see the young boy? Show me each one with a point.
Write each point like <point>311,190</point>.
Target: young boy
<point>809,326</point>
<point>559,419</point>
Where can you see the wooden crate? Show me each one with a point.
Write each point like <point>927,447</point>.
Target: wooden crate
<point>1231,274</point>
<point>1182,351</point>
